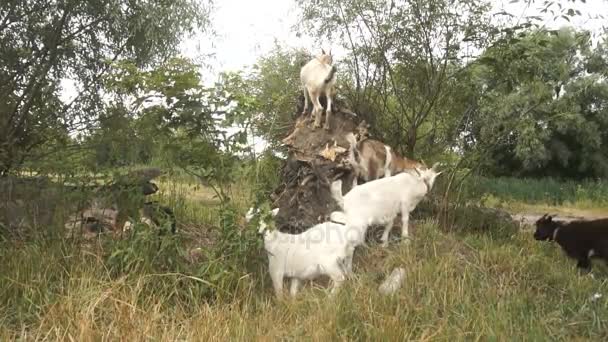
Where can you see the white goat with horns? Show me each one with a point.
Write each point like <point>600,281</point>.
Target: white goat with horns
<point>320,250</point>
<point>318,78</point>
<point>379,202</point>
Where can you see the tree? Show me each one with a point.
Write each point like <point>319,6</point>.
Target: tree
<point>270,92</point>
<point>542,106</point>
<point>43,42</point>
<point>186,124</point>
<point>404,60</point>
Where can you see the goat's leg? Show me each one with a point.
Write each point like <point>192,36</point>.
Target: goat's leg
<point>295,286</point>
<point>405,218</point>
<point>306,99</point>
<point>387,230</point>
<point>327,111</point>
<point>317,108</point>
<point>337,278</point>
<point>348,264</point>
<point>277,283</point>
<point>584,264</point>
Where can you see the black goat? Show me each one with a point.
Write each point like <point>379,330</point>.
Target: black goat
<point>581,240</point>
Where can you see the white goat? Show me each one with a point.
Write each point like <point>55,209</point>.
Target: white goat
<point>379,202</point>
<point>305,256</point>
<point>372,159</point>
<point>318,78</point>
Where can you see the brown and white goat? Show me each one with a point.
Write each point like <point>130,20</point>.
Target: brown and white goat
<point>319,78</point>
<point>372,159</point>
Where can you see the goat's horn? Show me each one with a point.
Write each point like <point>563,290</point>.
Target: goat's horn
<point>323,51</point>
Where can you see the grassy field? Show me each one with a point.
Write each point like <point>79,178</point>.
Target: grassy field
<point>585,198</point>
<point>464,286</point>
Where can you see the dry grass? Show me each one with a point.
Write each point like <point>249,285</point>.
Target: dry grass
<point>459,287</point>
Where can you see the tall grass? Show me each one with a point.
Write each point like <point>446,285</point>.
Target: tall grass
<point>462,287</point>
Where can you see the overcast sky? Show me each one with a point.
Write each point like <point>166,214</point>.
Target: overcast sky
<point>246,29</point>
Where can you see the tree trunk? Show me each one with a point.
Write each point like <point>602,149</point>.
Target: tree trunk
<point>316,158</point>
<point>411,141</point>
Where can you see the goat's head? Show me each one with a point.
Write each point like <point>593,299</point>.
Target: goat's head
<point>326,58</point>
<point>429,175</point>
<point>545,228</point>
<point>262,226</point>
<point>422,164</point>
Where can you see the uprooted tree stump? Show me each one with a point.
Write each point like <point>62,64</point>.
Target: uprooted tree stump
<point>316,158</point>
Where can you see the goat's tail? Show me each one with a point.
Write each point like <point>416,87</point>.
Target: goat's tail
<point>388,161</point>
<point>331,74</point>
<point>336,193</point>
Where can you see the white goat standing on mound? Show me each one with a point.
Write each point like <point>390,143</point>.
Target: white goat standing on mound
<point>305,256</point>
<point>318,78</point>
<point>379,202</point>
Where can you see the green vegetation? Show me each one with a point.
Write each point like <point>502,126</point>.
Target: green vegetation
<point>461,285</point>
<point>530,102</point>
<point>542,194</point>
<point>456,287</point>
